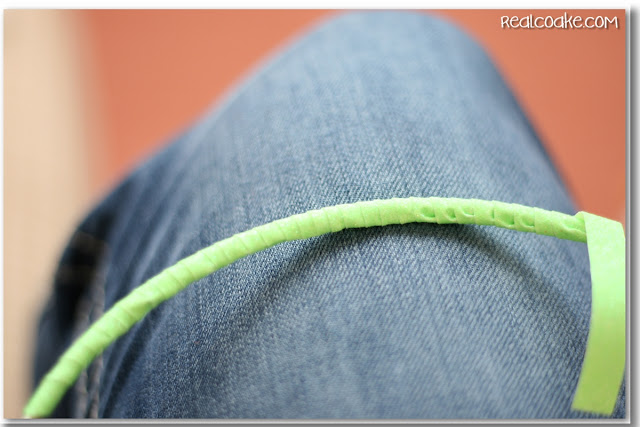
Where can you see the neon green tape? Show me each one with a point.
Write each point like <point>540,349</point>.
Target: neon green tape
<point>603,366</point>
<point>129,310</point>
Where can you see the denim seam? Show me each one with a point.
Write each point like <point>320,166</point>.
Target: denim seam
<point>90,307</point>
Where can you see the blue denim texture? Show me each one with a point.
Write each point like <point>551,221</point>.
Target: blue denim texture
<point>412,321</point>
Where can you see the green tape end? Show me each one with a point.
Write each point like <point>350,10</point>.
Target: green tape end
<point>604,359</point>
<point>590,402</point>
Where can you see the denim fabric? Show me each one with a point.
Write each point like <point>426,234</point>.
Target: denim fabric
<point>411,321</point>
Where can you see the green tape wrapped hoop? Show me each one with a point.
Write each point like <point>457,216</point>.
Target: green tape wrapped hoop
<point>604,360</point>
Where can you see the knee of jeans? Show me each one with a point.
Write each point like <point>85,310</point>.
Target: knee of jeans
<point>386,94</point>
<point>388,68</point>
<point>405,39</point>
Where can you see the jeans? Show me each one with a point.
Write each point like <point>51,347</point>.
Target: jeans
<point>408,321</point>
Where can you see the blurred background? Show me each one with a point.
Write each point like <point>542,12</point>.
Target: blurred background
<point>89,94</point>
